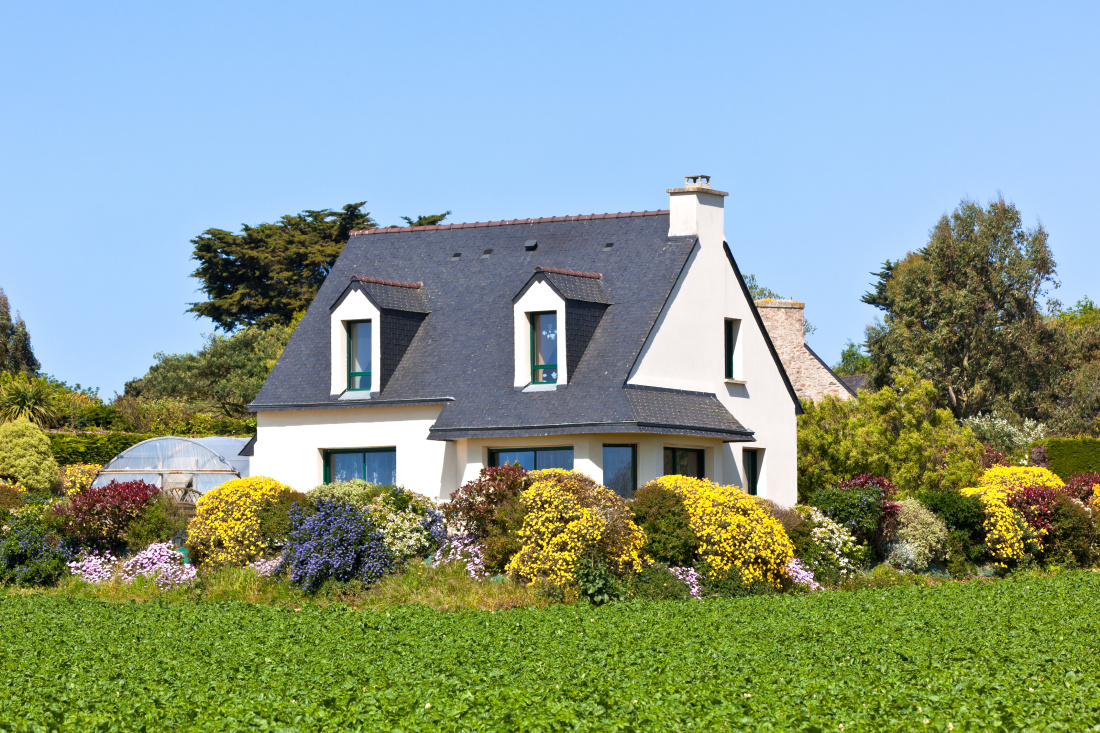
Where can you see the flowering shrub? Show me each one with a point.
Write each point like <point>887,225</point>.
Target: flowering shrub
<point>921,537</point>
<point>1002,435</point>
<point>831,549</point>
<point>29,554</point>
<point>161,562</point>
<point>227,529</point>
<point>466,549</point>
<point>570,516</point>
<point>1082,486</point>
<point>94,567</point>
<point>76,477</point>
<point>356,492</point>
<point>801,575</point>
<point>862,505</point>
<point>1008,537</point>
<point>161,520</point>
<point>335,542</point>
<point>1037,505</point>
<point>1005,479</point>
<point>9,498</point>
<point>98,517</point>
<point>736,534</point>
<point>410,523</point>
<point>472,509</point>
<point>691,578</point>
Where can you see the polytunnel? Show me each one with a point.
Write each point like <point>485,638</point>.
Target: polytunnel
<point>184,466</point>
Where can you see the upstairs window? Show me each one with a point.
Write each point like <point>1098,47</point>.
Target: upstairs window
<point>733,352</point>
<point>359,356</point>
<point>544,348</point>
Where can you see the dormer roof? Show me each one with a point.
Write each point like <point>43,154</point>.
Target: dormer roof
<point>462,354</point>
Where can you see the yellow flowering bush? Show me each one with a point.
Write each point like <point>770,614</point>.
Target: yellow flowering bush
<point>1008,537</point>
<point>227,528</point>
<point>1094,504</point>
<point>1003,480</point>
<point>76,477</point>
<point>735,532</point>
<point>570,516</point>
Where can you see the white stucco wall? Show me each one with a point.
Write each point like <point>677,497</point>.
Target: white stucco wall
<point>290,445</point>
<point>539,298</point>
<point>686,350</point>
<point>356,307</point>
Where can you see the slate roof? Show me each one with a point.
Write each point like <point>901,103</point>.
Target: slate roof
<point>854,383</point>
<point>461,356</point>
<point>388,294</point>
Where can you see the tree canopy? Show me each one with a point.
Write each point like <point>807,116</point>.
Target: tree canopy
<point>269,272</point>
<point>964,310</point>
<point>852,361</point>
<point>16,354</point>
<point>426,220</point>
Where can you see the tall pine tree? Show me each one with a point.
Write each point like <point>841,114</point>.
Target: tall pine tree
<point>16,354</point>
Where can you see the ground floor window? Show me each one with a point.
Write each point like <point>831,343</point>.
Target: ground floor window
<point>685,462</point>
<point>533,459</point>
<point>750,458</point>
<point>376,465</point>
<point>620,469</point>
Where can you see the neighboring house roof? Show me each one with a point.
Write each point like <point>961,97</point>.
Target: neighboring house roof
<point>461,355</point>
<point>855,382</point>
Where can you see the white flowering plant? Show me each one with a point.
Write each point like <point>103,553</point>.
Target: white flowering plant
<point>830,550</point>
<point>1002,435</point>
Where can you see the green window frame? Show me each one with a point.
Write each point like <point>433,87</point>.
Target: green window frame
<point>552,454</point>
<point>328,455</point>
<point>356,379</point>
<point>543,373</point>
<point>678,461</point>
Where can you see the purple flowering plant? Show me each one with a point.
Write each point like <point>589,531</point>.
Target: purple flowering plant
<point>801,575</point>
<point>333,542</point>
<point>162,562</point>
<point>94,567</point>
<point>691,578</point>
<point>466,549</point>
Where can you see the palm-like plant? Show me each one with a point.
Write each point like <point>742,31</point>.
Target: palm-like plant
<point>35,399</point>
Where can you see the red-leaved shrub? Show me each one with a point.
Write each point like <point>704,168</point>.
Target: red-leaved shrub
<point>98,517</point>
<point>473,507</point>
<point>1038,505</point>
<point>1082,485</point>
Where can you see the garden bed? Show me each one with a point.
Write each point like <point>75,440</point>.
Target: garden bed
<point>1018,653</point>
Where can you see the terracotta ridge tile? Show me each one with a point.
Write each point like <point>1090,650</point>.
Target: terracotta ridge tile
<point>503,222</point>
<point>574,273</point>
<point>380,281</point>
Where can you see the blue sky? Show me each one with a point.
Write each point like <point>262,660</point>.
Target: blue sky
<point>842,132</point>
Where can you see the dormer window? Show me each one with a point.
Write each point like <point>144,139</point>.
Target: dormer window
<point>359,356</point>
<point>544,348</point>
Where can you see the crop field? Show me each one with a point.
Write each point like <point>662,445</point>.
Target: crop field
<point>999,656</point>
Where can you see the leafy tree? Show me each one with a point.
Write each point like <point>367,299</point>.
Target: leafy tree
<point>964,312</point>
<point>1085,314</point>
<point>269,272</point>
<point>852,361</point>
<point>426,220</point>
<point>899,432</point>
<point>224,376</point>
<point>16,354</point>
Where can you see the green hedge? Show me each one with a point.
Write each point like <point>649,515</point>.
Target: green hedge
<point>1067,456</point>
<point>69,448</point>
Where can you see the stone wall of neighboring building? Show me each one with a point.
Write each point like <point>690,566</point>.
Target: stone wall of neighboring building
<point>811,377</point>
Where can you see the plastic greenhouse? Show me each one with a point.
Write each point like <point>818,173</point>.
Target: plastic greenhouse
<point>185,467</point>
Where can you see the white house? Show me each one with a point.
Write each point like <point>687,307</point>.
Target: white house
<point>625,346</point>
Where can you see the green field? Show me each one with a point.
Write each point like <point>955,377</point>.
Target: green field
<point>1001,656</point>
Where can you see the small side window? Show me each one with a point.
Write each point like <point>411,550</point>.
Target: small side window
<point>544,348</point>
<point>359,356</point>
<point>733,351</point>
<point>750,458</point>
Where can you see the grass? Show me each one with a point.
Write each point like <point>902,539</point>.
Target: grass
<point>444,588</point>
<point>1015,654</point>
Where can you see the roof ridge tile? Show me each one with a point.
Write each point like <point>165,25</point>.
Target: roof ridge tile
<point>503,222</point>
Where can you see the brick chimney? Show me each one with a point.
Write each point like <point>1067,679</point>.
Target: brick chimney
<point>697,210</point>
